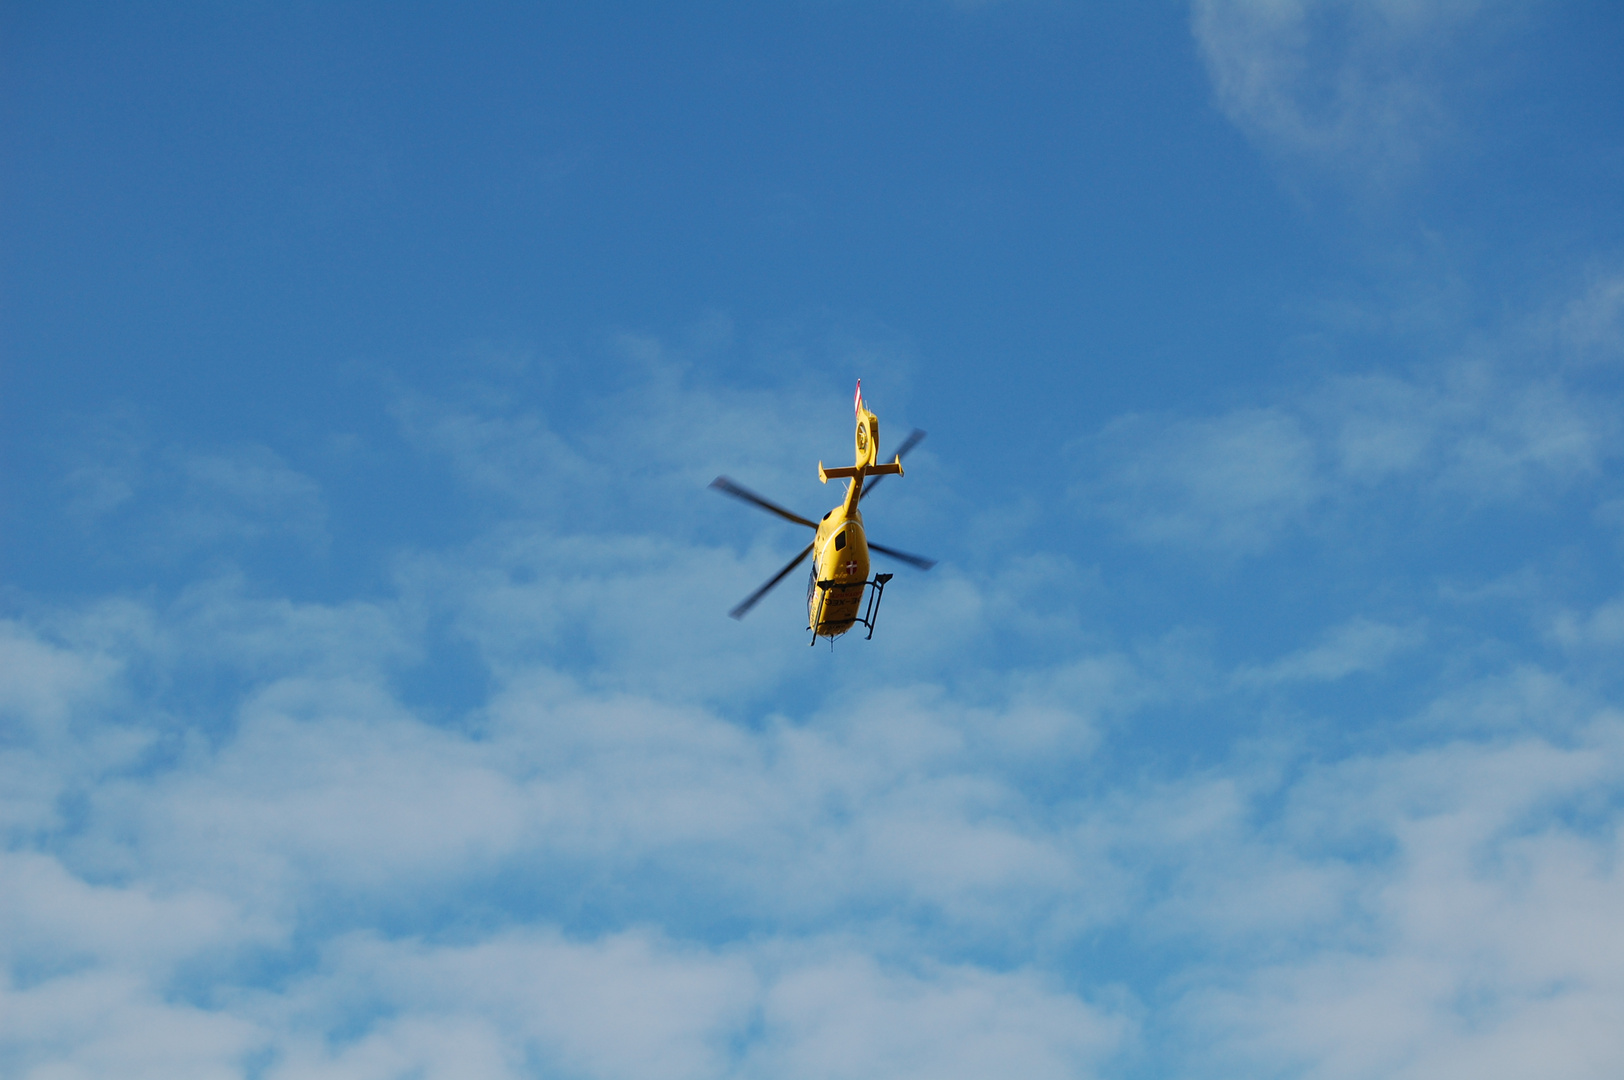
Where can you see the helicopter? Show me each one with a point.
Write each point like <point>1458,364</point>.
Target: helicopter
<point>839,582</point>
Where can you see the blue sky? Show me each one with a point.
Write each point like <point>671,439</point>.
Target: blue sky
<point>368,706</point>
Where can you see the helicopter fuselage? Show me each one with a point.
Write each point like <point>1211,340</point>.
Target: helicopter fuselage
<point>834,592</point>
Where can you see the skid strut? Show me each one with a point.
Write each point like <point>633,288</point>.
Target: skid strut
<point>871,611</point>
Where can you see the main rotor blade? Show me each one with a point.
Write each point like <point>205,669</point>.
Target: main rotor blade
<point>749,602</point>
<point>912,560</point>
<point>915,437</point>
<point>913,440</point>
<point>739,491</point>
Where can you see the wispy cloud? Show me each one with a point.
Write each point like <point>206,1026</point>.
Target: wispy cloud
<point>1499,424</point>
<point>1355,87</point>
<point>1233,481</point>
<point>1592,325</point>
<point>169,502</point>
<point>1358,646</point>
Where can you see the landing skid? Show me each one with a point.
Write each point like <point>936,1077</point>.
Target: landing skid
<point>871,612</point>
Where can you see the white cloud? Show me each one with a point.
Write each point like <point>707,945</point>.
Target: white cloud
<point>648,440</point>
<point>1600,629</point>
<point>42,684</point>
<point>52,697</point>
<point>85,990</point>
<point>245,493</point>
<point>1483,942</point>
<point>1592,325</point>
<point>1356,646</point>
<point>59,923</point>
<point>633,1004</point>
<point>108,1023</point>
<point>619,862</point>
<point>168,502</point>
<point>1499,426</point>
<point>626,1005</point>
<point>1351,86</point>
<point>1450,881</point>
<point>1232,481</point>
<point>846,1017</point>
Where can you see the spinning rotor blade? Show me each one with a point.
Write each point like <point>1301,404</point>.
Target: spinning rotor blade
<point>913,440</point>
<point>912,560</point>
<point>915,437</point>
<point>739,491</point>
<point>749,602</point>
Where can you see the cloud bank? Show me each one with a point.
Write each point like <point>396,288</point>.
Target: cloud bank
<point>238,842</point>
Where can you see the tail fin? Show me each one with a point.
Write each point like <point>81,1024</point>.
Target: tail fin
<point>868,431</point>
<point>868,446</point>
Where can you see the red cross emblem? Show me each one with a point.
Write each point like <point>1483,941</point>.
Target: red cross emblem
<point>851,567</point>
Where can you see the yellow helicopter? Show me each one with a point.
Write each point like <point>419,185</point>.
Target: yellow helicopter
<point>840,547</point>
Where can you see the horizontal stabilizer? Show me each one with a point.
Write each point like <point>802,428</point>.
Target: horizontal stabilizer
<point>893,468</point>
<point>825,474</point>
